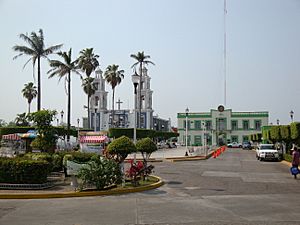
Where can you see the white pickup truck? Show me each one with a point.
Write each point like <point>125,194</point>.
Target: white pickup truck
<point>267,152</point>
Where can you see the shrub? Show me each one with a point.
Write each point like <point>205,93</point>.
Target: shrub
<point>100,172</point>
<point>288,157</point>
<point>120,148</point>
<point>23,171</point>
<point>146,146</point>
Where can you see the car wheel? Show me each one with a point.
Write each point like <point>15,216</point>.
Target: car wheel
<point>261,159</point>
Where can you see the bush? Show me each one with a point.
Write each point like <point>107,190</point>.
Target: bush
<point>100,172</point>
<point>288,157</point>
<point>23,171</point>
<point>146,146</point>
<point>120,148</point>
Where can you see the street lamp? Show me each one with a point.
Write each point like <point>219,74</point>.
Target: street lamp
<point>78,120</point>
<point>292,115</point>
<point>186,127</point>
<point>61,117</point>
<point>135,80</point>
<point>95,120</point>
<point>204,136</point>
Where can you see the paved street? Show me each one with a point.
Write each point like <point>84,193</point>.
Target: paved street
<point>232,189</point>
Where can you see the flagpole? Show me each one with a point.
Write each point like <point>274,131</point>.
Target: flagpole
<point>225,12</point>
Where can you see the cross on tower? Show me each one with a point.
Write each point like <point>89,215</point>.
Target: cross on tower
<point>119,104</point>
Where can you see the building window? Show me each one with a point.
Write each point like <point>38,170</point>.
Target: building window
<point>96,86</point>
<point>257,124</point>
<point>234,125</point>
<point>189,124</point>
<point>235,138</point>
<point>221,124</point>
<point>208,125</point>
<point>197,125</point>
<point>246,124</point>
<point>245,138</point>
<point>198,140</point>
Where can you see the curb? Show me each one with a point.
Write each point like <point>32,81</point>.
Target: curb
<point>84,193</point>
<point>286,163</point>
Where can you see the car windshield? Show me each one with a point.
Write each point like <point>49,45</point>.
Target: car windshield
<point>267,147</point>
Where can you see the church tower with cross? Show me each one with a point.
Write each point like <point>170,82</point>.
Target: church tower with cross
<point>98,103</point>
<point>102,118</point>
<point>146,101</point>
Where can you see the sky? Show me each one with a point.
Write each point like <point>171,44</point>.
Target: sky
<point>185,40</point>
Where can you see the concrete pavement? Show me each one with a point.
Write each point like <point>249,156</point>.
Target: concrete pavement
<point>233,189</point>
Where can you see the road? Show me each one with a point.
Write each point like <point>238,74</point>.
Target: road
<point>233,189</point>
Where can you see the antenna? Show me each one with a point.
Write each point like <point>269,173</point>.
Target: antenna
<point>225,12</point>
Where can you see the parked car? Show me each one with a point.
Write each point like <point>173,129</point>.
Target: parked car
<point>267,152</point>
<point>246,145</point>
<point>234,145</point>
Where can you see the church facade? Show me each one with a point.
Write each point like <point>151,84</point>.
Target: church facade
<point>102,118</point>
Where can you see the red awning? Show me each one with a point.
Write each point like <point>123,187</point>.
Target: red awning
<point>92,139</point>
<point>11,137</point>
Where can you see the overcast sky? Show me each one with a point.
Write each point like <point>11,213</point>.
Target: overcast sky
<point>185,41</point>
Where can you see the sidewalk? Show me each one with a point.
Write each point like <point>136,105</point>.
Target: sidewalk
<point>168,153</point>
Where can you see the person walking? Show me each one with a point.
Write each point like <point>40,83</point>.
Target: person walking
<point>295,160</point>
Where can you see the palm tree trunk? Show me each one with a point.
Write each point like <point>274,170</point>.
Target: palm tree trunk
<point>88,105</point>
<point>140,96</point>
<point>113,108</point>
<point>39,85</point>
<point>29,107</point>
<point>69,107</point>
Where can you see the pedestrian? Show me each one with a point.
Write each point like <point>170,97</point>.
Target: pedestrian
<point>295,160</point>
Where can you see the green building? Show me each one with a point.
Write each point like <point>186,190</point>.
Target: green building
<point>219,126</point>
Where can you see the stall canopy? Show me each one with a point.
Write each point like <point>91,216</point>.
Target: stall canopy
<point>93,139</point>
<point>12,137</point>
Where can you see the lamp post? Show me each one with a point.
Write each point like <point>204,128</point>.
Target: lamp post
<point>135,80</point>
<point>204,136</point>
<point>95,120</point>
<point>61,117</point>
<point>78,120</point>
<point>186,128</point>
<point>292,115</point>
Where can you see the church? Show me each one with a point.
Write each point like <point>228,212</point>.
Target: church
<point>101,118</point>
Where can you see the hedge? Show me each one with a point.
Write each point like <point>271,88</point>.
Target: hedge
<point>23,171</point>
<point>140,133</point>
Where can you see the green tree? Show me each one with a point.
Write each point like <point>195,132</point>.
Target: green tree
<point>64,69</point>
<point>275,134</point>
<point>22,120</point>
<point>46,138</point>
<point>89,88</point>
<point>87,61</point>
<point>120,148</point>
<point>2,123</point>
<point>35,50</point>
<point>295,132</point>
<point>113,76</point>
<point>29,91</point>
<point>146,146</point>
<point>142,60</point>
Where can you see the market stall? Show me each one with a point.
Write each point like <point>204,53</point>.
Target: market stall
<point>92,141</point>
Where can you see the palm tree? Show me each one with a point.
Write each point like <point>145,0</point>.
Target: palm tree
<point>87,61</point>
<point>22,120</point>
<point>64,69</point>
<point>142,60</point>
<point>29,91</point>
<point>89,88</point>
<point>36,50</point>
<point>113,76</point>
